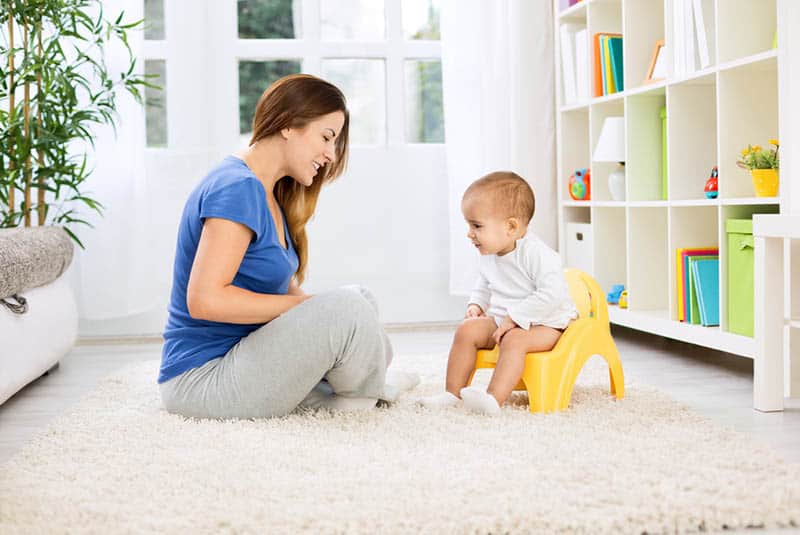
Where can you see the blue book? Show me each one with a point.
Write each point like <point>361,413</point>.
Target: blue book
<point>706,279</point>
<point>615,46</point>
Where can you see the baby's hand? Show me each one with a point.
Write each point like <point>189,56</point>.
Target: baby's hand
<point>504,327</point>
<point>474,311</point>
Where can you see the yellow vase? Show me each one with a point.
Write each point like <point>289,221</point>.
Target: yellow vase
<point>765,182</point>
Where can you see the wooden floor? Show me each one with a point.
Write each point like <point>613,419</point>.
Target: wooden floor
<point>717,385</point>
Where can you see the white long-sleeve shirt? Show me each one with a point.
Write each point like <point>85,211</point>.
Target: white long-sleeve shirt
<point>527,284</point>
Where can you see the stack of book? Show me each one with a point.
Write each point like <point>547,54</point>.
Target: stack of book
<point>574,62</point>
<point>608,74</point>
<point>693,31</point>
<point>697,280</point>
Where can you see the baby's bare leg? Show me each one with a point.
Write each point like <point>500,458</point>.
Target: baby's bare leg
<point>513,347</point>
<point>471,335</point>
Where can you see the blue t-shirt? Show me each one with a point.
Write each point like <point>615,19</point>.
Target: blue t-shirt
<point>230,191</point>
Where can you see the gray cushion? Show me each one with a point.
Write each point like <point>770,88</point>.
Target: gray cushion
<point>32,257</point>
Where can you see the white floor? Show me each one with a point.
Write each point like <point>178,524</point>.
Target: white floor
<point>717,385</point>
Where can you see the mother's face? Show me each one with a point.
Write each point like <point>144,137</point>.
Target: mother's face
<point>312,147</point>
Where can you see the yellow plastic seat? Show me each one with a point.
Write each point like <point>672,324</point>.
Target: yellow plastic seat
<point>550,376</point>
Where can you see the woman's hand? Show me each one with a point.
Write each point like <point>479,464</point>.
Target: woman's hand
<point>474,311</point>
<point>294,289</point>
<point>505,326</point>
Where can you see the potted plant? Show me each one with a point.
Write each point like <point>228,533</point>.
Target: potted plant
<point>54,87</point>
<point>763,165</point>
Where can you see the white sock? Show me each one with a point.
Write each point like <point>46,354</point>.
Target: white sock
<point>398,382</point>
<point>480,401</point>
<point>439,401</point>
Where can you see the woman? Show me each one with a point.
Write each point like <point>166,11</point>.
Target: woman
<point>242,339</point>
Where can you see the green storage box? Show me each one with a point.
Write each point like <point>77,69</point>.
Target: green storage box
<point>740,276</point>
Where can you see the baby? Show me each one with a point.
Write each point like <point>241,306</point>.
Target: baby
<point>521,301</point>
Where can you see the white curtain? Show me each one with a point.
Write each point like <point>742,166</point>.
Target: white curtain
<point>499,99</point>
<point>113,276</point>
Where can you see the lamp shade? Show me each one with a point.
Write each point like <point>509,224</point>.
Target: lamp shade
<point>611,144</point>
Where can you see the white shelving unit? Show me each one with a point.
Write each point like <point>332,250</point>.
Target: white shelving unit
<point>711,114</point>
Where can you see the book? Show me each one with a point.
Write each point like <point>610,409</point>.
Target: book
<point>689,49</point>
<point>582,64</point>
<point>700,33</point>
<point>693,315</point>
<point>706,274</point>
<point>608,79</point>
<point>615,46</point>
<point>568,63</point>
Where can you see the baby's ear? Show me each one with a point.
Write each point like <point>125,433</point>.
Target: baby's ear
<point>513,224</point>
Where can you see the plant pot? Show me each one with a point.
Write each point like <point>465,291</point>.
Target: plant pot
<point>765,182</point>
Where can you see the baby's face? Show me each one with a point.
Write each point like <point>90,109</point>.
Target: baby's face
<point>489,232</point>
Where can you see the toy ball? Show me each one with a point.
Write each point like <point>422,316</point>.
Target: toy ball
<point>580,185</point>
<point>711,188</point>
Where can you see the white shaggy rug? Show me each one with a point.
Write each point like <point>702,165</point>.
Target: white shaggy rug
<point>118,463</point>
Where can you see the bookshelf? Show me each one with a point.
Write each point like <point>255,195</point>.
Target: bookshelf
<point>712,112</point>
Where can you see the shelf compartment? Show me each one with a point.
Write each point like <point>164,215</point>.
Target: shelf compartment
<point>643,26</point>
<point>648,261</point>
<point>603,17</point>
<point>691,136</point>
<point>748,107</point>
<point>689,227</point>
<point>745,27</point>
<point>575,155</point>
<point>610,246</point>
<point>643,173</point>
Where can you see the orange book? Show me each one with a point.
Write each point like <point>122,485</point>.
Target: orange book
<point>598,64</point>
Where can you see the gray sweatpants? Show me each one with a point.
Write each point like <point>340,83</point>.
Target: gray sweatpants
<point>331,342</point>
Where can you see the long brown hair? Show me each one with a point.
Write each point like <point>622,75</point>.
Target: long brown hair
<point>292,102</point>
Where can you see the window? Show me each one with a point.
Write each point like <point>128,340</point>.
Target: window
<point>384,55</point>
<point>154,20</point>
<point>254,78</point>
<point>155,68</point>
<point>269,19</point>
<point>360,20</point>
<point>154,99</point>
<point>367,115</point>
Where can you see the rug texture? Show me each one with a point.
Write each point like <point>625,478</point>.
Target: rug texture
<point>117,463</point>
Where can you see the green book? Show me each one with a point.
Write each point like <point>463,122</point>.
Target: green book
<point>615,49</point>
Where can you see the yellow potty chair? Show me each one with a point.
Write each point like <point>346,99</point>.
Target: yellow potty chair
<point>550,376</point>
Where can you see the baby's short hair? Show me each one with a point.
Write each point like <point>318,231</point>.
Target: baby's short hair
<point>508,193</point>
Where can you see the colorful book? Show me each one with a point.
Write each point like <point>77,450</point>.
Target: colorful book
<point>615,49</point>
<point>681,279</point>
<point>706,275</point>
<point>598,62</point>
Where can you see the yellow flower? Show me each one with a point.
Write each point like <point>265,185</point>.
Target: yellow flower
<point>756,148</point>
<point>774,142</point>
<point>745,152</point>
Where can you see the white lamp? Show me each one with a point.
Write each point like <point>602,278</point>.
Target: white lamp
<point>611,148</point>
